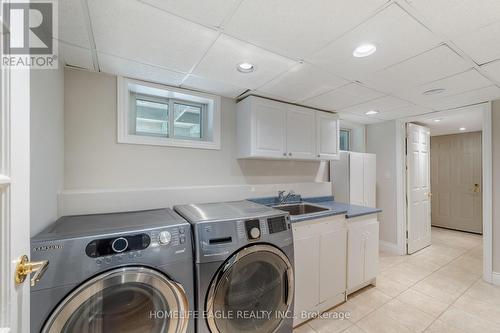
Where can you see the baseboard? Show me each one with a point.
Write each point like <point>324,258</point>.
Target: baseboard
<point>388,247</point>
<point>74,202</point>
<point>495,278</point>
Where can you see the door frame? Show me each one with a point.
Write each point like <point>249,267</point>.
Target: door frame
<point>487,186</point>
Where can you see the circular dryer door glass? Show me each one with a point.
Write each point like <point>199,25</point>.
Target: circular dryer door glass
<point>125,300</point>
<point>252,292</point>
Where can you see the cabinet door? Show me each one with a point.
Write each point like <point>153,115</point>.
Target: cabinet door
<point>327,135</point>
<point>300,139</point>
<point>371,231</point>
<point>333,265</point>
<point>268,134</point>
<point>306,257</point>
<point>355,257</point>
<point>369,179</point>
<point>356,181</point>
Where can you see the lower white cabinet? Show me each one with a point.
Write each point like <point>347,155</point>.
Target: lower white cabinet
<point>362,252</point>
<point>320,265</point>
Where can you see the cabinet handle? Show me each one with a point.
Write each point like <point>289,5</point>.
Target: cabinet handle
<point>319,155</point>
<point>289,154</point>
<point>284,154</point>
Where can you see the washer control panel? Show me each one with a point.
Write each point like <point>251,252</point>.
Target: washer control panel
<point>134,244</point>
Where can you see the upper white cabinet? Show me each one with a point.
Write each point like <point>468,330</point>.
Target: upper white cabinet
<point>327,135</point>
<point>300,129</point>
<point>271,129</point>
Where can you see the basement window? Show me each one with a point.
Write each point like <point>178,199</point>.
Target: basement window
<point>345,139</point>
<point>152,114</point>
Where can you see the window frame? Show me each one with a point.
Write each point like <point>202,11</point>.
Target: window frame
<point>349,143</point>
<point>128,90</point>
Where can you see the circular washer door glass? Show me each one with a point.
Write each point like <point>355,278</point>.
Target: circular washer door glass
<point>125,300</point>
<point>252,293</point>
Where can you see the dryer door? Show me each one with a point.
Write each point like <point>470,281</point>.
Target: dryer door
<point>130,299</point>
<point>251,292</point>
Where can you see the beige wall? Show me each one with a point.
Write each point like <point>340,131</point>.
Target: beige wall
<point>94,159</point>
<point>496,184</point>
<point>47,145</point>
<point>381,140</point>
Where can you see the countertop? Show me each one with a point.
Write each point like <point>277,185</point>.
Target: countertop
<point>336,208</point>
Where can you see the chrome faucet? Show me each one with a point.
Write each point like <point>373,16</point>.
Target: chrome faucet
<point>282,198</point>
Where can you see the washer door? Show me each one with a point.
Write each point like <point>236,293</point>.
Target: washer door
<point>130,299</point>
<point>251,292</point>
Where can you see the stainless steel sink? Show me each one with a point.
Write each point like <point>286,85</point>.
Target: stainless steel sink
<point>301,209</point>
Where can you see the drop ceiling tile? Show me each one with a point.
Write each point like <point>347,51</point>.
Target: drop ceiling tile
<point>221,61</point>
<point>483,45</point>
<point>72,24</point>
<point>430,66</point>
<point>493,70</point>
<point>139,32</point>
<point>296,28</point>
<point>119,66</point>
<point>212,86</point>
<point>453,85</point>
<point>209,13</point>
<point>382,104</point>
<point>393,44</point>
<point>343,97</point>
<point>76,56</point>
<point>301,82</point>
<point>358,119</point>
<point>468,98</point>
<point>402,112</point>
<point>455,17</point>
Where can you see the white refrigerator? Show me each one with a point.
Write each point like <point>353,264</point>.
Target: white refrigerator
<point>354,177</point>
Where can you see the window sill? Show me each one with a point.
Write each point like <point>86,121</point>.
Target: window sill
<point>168,142</point>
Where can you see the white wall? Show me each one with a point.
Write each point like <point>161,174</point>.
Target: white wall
<point>47,145</point>
<point>358,136</point>
<point>94,161</point>
<point>381,140</point>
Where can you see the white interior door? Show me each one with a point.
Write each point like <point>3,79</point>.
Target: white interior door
<point>14,197</point>
<point>418,188</point>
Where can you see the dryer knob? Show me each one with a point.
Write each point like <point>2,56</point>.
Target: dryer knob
<point>165,238</point>
<point>255,233</point>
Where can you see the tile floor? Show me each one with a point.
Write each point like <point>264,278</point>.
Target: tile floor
<point>438,290</point>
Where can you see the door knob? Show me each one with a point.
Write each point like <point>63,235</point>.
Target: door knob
<point>476,189</point>
<point>25,267</point>
<point>429,194</point>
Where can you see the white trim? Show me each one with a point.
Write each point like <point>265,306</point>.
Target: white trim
<point>495,278</point>
<point>487,194</point>
<point>75,202</point>
<point>123,109</point>
<point>389,247</point>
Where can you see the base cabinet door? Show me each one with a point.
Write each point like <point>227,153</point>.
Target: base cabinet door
<point>307,265</point>
<point>362,252</point>
<point>356,257</point>
<point>371,250</point>
<point>332,277</point>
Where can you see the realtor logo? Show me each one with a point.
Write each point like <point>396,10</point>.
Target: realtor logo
<point>31,39</point>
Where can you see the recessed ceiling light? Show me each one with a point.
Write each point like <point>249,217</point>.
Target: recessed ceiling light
<point>245,67</point>
<point>434,91</point>
<point>462,128</point>
<point>437,120</point>
<point>371,112</point>
<point>364,50</point>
